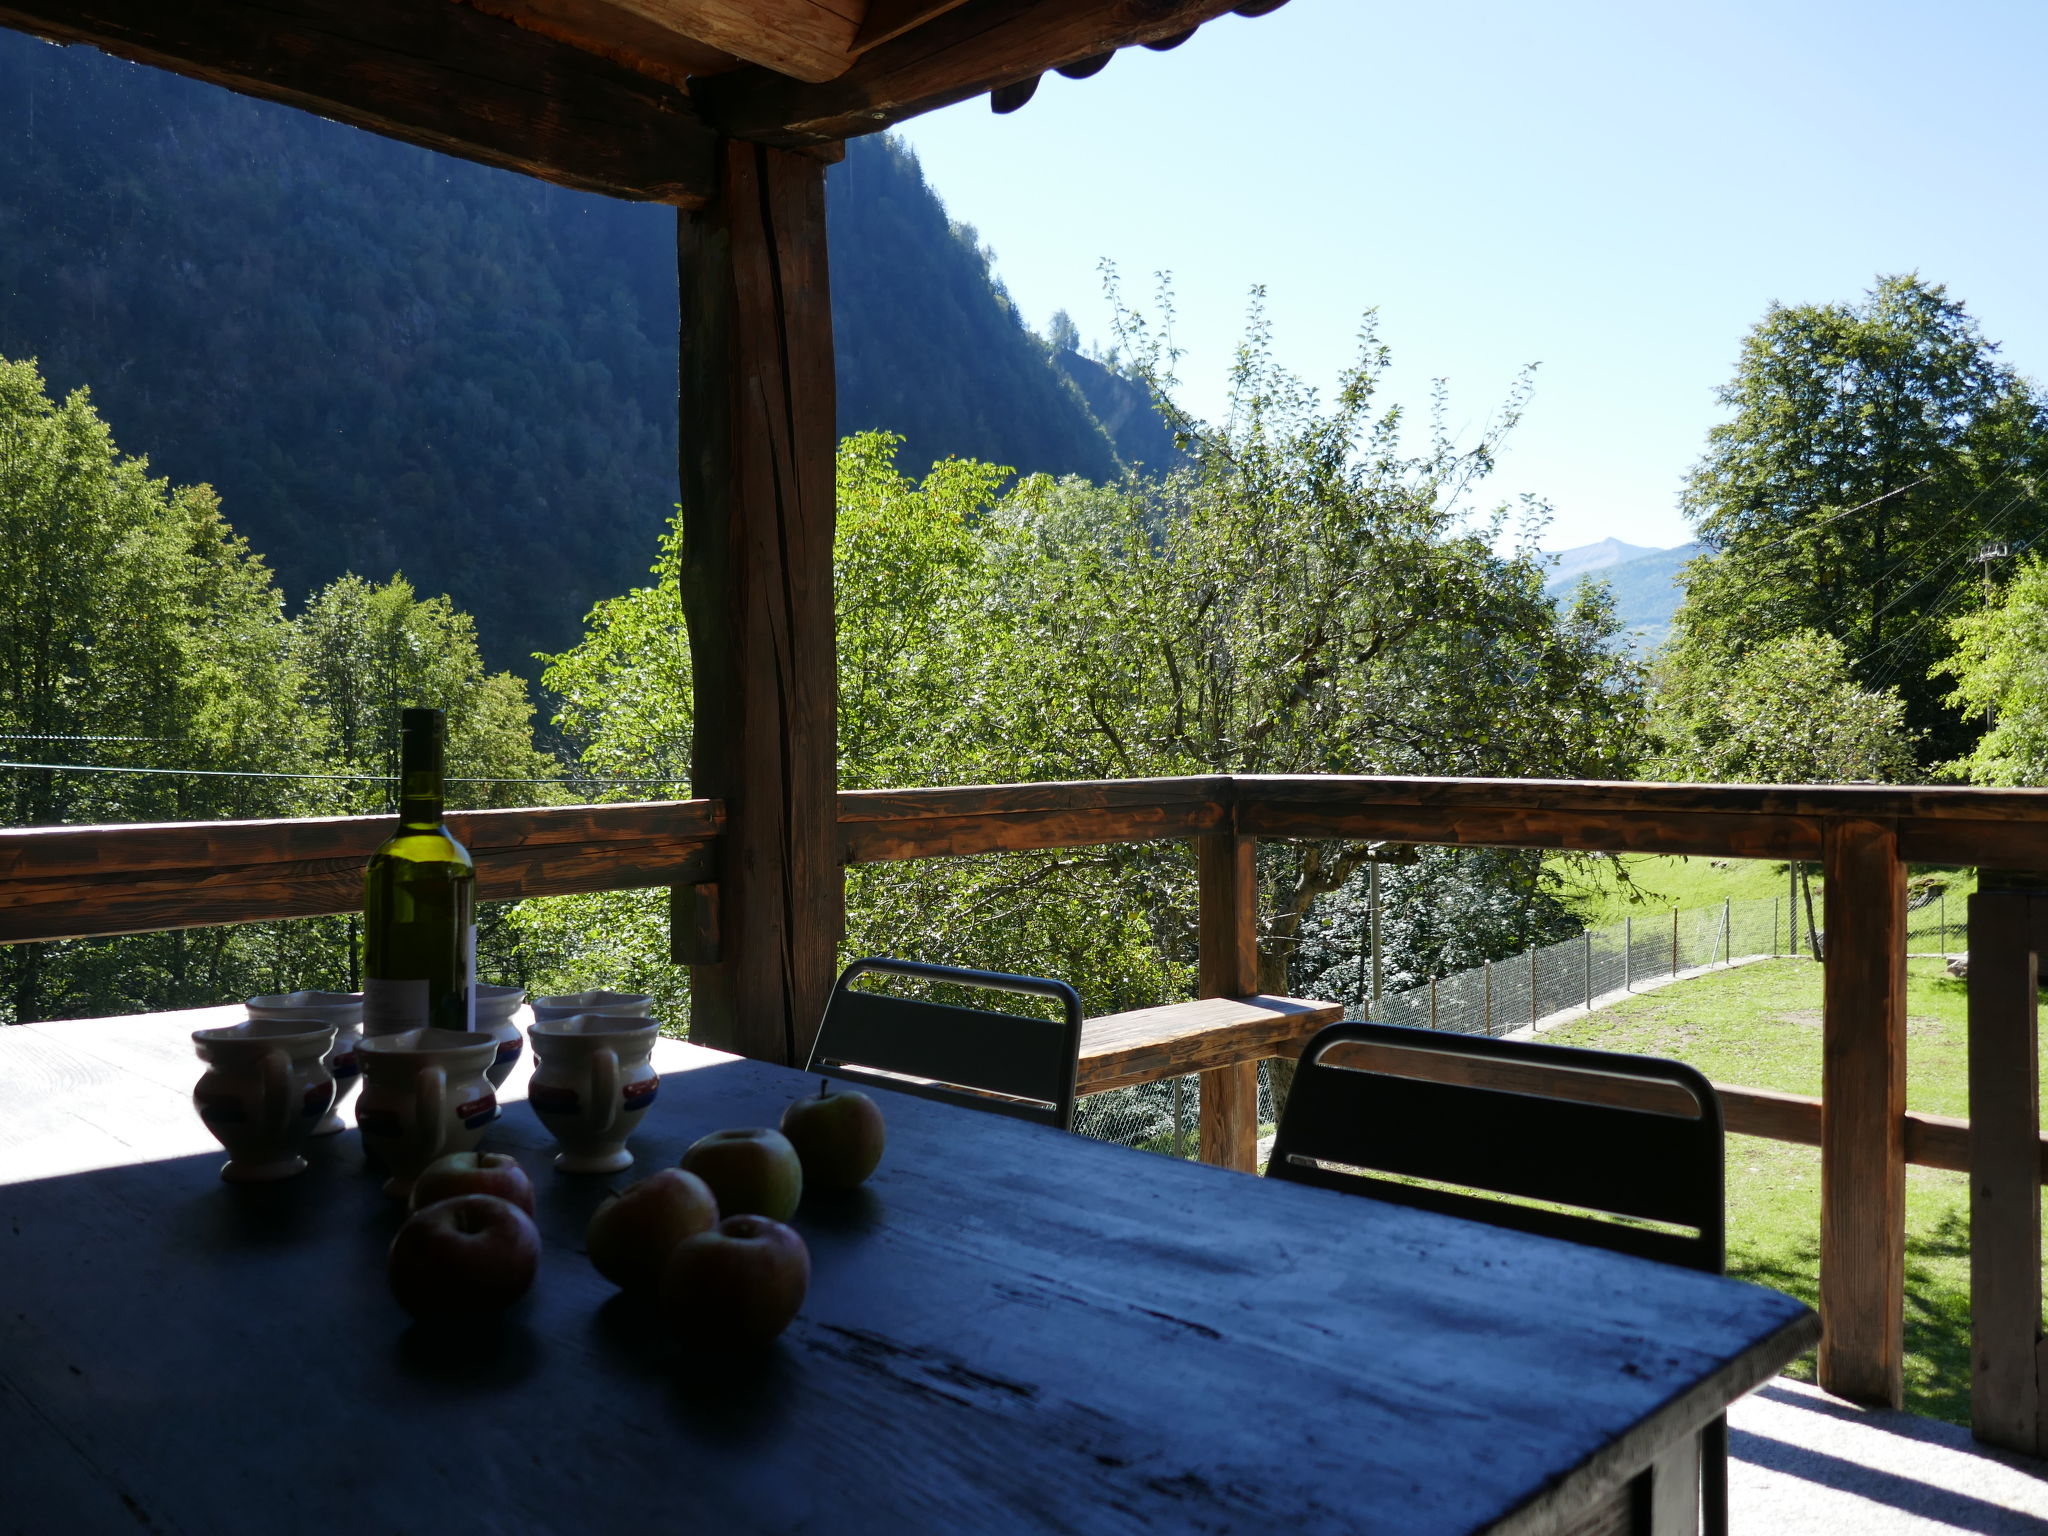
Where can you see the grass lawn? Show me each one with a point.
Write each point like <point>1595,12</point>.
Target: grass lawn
<point>1597,896</point>
<point>1759,1025</point>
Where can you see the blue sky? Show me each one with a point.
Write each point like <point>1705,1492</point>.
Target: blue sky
<point>1615,192</point>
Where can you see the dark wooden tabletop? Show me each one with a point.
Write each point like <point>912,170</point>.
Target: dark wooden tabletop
<point>1009,1329</point>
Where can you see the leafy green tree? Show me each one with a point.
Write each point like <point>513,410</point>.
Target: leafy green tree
<point>141,639</point>
<point>367,651</point>
<point>1871,447</point>
<point>2000,669</point>
<point>1787,711</point>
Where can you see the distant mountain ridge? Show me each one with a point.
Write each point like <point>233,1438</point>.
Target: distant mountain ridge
<point>387,359</point>
<point>1646,585</point>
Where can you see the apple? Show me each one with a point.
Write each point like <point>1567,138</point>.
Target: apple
<point>737,1285</point>
<point>753,1172</point>
<point>632,1234</point>
<point>838,1136</point>
<point>473,1173</point>
<point>472,1254</point>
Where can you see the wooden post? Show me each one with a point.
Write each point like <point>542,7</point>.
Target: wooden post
<point>1228,966</point>
<point>756,457</point>
<point>2008,932</point>
<point>1863,1106</point>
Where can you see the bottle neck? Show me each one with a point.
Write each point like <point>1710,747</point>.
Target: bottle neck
<point>419,780</point>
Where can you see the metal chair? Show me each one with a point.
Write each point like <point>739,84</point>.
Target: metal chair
<point>1602,1134</point>
<point>1003,1062</point>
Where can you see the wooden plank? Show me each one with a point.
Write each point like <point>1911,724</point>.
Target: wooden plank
<point>1145,1045</point>
<point>1738,836</point>
<point>928,837</point>
<point>644,46</point>
<point>2005,1199</point>
<point>803,39</point>
<point>77,882</point>
<point>758,439</point>
<point>960,1338</point>
<point>440,75</point>
<point>888,19</point>
<point>962,52</point>
<point>1863,1089</point>
<point>1227,965</point>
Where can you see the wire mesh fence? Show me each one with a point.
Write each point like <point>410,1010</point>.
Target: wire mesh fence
<point>1597,967</point>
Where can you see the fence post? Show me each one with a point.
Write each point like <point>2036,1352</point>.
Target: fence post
<point>1228,966</point>
<point>1589,970</point>
<point>1534,1011</point>
<point>2006,944</point>
<point>1489,996</point>
<point>1432,1002</point>
<point>1628,953</point>
<point>1774,927</point>
<point>1674,941</point>
<point>1727,930</point>
<point>1863,1095</point>
<point>1180,1093</point>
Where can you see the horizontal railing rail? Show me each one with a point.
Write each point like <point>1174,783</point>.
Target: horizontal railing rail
<point>77,882</point>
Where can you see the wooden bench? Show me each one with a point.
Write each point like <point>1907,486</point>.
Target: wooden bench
<point>1224,1039</point>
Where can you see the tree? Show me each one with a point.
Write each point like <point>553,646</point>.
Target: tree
<point>2000,667</point>
<point>1787,711</point>
<point>1871,448</point>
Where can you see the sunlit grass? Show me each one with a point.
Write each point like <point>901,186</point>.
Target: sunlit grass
<point>1759,1026</point>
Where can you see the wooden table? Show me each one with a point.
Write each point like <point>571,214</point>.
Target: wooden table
<point>1009,1329</point>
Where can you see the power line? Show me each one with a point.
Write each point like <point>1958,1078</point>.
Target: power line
<point>347,778</point>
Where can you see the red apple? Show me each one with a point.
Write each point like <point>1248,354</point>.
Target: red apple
<point>632,1234</point>
<point>471,1254</point>
<point>473,1173</point>
<point>737,1285</point>
<point>753,1172</point>
<point>838,1135</point>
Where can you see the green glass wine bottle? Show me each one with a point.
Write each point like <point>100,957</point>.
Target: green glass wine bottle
<point>419,901</point>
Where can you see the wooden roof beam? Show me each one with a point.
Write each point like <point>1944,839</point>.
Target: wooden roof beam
<point>440,75</point>
<point>973,48</point>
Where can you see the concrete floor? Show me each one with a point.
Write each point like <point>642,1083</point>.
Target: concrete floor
<point>1803,1462</point>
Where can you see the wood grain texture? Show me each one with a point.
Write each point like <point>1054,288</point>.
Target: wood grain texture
<point>1863,1092</point>
<point>1227,965</point>
<point>1227,1119</point>
<point>1119,1342</point>
<point>963,51</point>
<point>646,47</point>
<point>803,39</point>
<point>887,19</point>
<point>78,882</point>
<point>1147,1045</point>
<point>441,75</point>
<point>876,825</point>
<point>2007,940</point>
<point>757,443</point>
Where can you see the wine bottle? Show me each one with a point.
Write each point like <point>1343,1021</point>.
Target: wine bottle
<point>419,901</point>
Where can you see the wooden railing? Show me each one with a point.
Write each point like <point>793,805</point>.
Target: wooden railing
<point>79,882</point>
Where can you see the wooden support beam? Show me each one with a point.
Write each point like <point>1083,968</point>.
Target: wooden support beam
<point>1863,1093</point>
<point>429,72</point>
<point>2008,934</point>
<point>1228,966</point>
<point>802,39</point>
<point>757,445</point>
<point>961,52</point>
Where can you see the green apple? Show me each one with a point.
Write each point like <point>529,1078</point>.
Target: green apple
<point>753,1172</point>
<point>736,1286</point>
<point>838,1135</point>
<point>632,1234</point>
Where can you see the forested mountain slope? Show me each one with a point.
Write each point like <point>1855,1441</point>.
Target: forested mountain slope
<point>385,359</point>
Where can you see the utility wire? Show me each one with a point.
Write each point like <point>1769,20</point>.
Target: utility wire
<point>349,778</point>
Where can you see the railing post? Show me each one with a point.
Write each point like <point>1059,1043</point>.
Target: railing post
<point>1863,1093</point>
<point>1534,1012</point>
<point>1589,970</point>
<point>2008,934</point>
<point>1628,952</point>
<point>1674,941</point>
<point>1228,966</point>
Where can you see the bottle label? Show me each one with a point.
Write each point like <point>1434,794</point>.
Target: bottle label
<point>390,1006</point>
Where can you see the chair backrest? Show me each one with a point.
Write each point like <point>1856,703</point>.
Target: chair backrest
<point>1375,1106</point>
<point>1004,1062</point>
